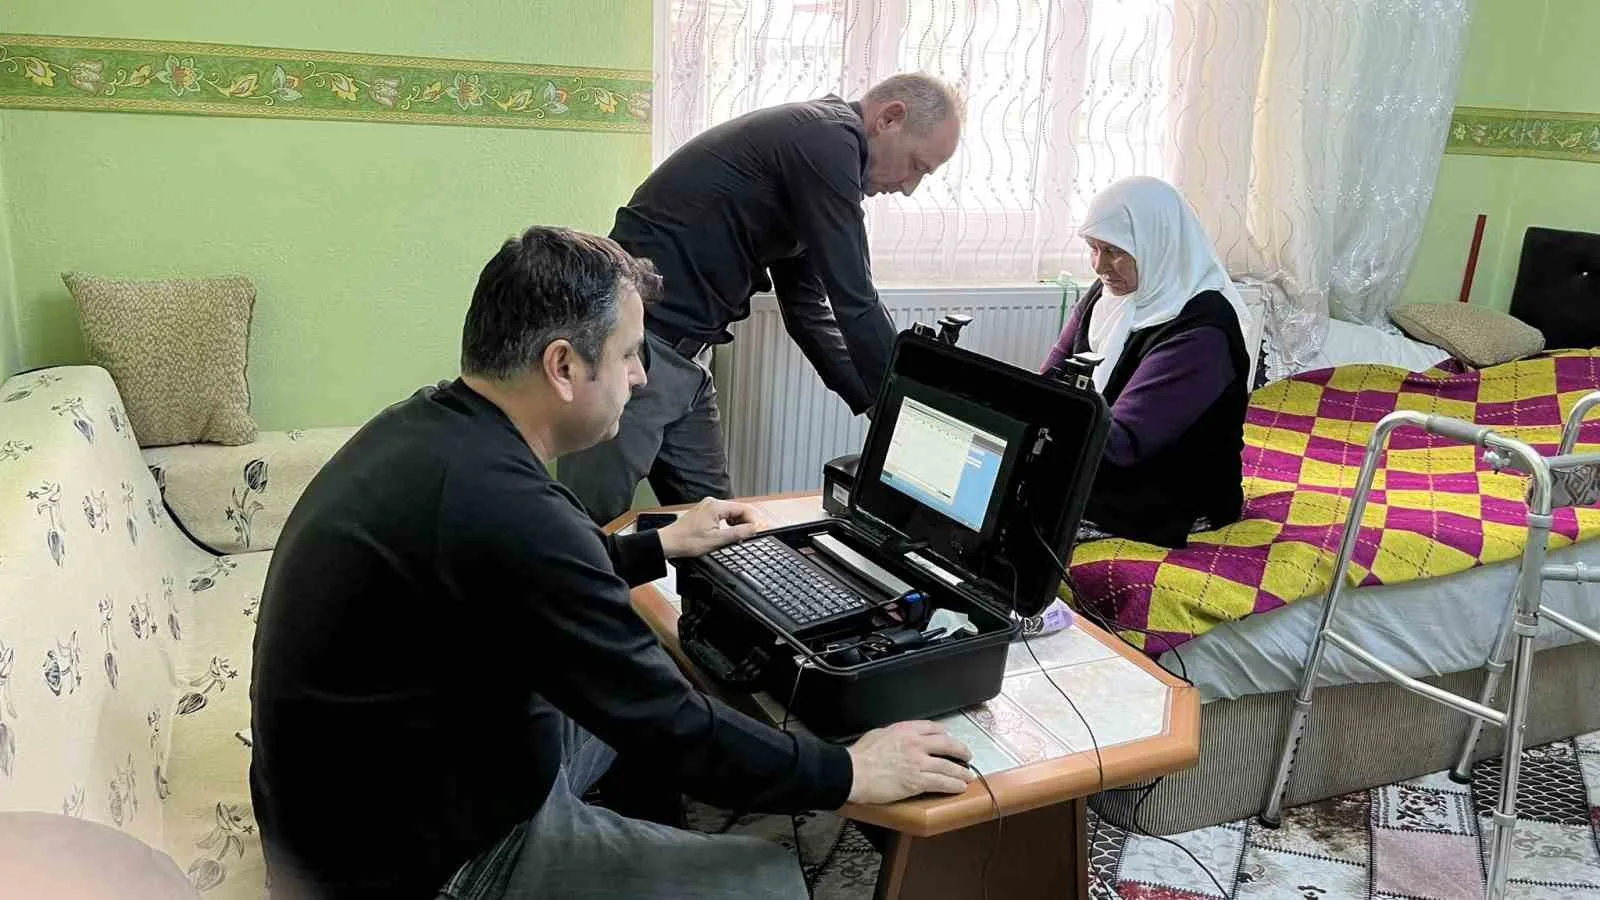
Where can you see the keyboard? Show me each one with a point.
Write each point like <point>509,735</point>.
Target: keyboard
<point>790,583</point>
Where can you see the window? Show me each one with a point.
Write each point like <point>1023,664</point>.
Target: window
<point>1306,133</point>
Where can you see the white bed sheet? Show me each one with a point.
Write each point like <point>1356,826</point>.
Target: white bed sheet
<point>1350,344</point>
<point>1431,627</point>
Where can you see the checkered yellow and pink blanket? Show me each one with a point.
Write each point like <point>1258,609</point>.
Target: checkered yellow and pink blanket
<point>1435,508</point>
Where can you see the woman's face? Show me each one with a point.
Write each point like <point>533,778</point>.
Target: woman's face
<point>1116,268</point>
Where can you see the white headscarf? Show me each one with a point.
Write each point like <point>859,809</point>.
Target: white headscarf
<point>1150,220</point>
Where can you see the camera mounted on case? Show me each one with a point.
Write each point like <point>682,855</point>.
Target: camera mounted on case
<point>1078,369</point>
<point>949,332</point>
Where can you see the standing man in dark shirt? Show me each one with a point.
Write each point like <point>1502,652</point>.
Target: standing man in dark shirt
<point>768,201</point>
<point>446,655</point>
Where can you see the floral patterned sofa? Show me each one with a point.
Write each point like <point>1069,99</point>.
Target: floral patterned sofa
<point>129,582</point>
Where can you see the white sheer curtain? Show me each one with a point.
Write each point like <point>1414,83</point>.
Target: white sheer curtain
<point>1307,133</point>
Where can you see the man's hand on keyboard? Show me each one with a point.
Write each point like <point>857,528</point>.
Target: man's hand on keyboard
<point>907,759</point>
<point>711,524</point>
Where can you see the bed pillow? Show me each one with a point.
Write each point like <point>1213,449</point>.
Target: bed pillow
<point>176,349</point>
<point>1477,336</point>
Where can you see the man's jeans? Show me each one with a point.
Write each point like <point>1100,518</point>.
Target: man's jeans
<point>572,849</point>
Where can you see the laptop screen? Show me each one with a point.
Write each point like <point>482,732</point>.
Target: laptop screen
<point>938,468</point>
<point>978,467</point>
<point>943,462</point>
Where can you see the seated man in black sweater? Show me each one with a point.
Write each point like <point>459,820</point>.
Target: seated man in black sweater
<point>446,655</point>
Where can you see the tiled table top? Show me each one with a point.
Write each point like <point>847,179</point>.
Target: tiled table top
<point>1143,720</point>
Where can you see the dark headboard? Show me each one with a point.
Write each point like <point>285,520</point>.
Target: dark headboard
<point>1558,287</point>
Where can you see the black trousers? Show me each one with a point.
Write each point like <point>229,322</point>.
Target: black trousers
<point>671,433</point>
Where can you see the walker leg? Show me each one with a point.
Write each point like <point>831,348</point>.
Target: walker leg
<point>1272,805</point>
<point>1272,809</point>
<point>1526,626</point>
<point>1494,667</point>
<point>1505,814</point>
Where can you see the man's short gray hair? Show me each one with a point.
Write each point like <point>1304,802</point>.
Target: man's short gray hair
<point>929,101</point>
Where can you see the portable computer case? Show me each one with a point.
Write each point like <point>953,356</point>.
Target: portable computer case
<point>1053,432</point>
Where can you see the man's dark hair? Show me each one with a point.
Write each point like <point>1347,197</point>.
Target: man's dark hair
<point>547,285</point>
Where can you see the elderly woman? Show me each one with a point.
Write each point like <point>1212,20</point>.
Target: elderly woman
<point>1167,319</point>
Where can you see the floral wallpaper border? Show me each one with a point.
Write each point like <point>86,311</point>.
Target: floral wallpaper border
<point>116,75</point>
<point>1480,131</point>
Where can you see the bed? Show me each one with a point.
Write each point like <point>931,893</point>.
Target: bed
<point>1237,609</point>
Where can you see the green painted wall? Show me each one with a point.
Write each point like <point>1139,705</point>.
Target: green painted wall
<point>1523,54</point>
<point>10,351</point>
<point>364,240</point>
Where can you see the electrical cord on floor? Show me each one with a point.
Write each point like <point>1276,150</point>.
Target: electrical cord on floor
<point>1139,830</point>
<point>1148,789</point>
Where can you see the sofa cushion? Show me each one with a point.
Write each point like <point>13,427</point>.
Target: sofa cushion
<point>52,855</point>
<point>176,349</point>
<point>91,623</point>
<point>1477,336</point>
<point>211,829</point>
<point>235,499</point>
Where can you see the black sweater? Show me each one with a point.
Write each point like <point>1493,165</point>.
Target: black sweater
<point>770,200</point>
<point>434,601</point>
<point>1200,475</point>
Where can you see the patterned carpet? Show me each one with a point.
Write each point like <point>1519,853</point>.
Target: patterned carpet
<point>1417,840</point>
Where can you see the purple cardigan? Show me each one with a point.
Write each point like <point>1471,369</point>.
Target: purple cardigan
<point>1172,386</point>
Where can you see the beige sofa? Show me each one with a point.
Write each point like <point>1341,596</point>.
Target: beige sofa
<point>124,641</point>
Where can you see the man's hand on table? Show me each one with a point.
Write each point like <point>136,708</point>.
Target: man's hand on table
<point>710,524</point>
<point>907,759</point>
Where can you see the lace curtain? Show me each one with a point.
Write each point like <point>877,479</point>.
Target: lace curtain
<point>1307,133</point>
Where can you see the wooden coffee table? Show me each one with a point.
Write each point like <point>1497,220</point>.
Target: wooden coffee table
<point>1030,745</point>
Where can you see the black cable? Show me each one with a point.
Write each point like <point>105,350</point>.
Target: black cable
<point>794,821</point>
<point>1099,762</point>
<point>1144,794</point>
<point>794,818</point>
<point>1139,830</point>
<point>1100,619</point>
<point>1133,788</point>
<point>799,856</point>
<point>999,825</point>
<point>735,815</point>
<point>1149,789</point>
<point>999,817</point>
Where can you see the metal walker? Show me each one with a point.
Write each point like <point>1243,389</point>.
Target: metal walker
<point>1521,618</point>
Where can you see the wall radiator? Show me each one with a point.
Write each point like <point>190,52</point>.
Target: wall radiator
<point>781,425</point>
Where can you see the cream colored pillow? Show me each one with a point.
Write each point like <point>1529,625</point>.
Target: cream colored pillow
<point>176,349</point>
<point>1477,336</point>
